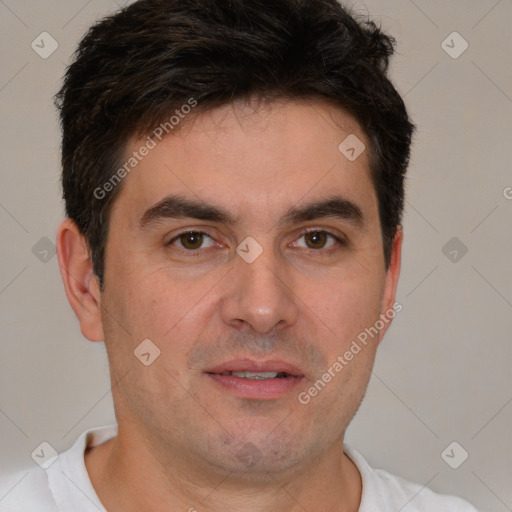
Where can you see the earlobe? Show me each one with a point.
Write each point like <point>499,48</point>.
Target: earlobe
<point>80,283</point>
<point>389,309</point>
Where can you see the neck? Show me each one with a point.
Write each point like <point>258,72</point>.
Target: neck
<point>129,474</point>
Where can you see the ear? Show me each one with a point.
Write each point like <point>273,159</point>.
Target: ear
<point>388,308</point>
<point>81,285</point>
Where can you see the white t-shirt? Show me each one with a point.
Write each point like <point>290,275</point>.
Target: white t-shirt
<point>64,486</point>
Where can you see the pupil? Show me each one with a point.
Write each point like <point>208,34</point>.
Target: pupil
<point>191,240</point>
<point>316,239</point>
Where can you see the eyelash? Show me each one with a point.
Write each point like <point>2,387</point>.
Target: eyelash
<point>341,242</point>
<point>194,252</point>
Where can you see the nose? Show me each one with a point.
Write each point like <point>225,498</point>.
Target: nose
<point>260,296</point>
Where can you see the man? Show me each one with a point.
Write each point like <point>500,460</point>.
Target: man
<point>233,176</point>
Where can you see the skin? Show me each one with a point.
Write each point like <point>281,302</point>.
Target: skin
<point>180,434</point>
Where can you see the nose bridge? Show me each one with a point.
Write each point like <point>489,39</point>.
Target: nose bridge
<point>260,294</point>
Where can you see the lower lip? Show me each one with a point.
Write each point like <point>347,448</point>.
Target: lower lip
<point>265,389</point>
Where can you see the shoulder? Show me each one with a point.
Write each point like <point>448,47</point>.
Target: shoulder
<point>63,484</point>
<point>27,491</point>
<point>387,492</point>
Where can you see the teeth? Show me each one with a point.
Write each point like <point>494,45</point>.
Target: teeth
<point>254,375</point>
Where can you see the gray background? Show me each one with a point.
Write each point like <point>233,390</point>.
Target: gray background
<point>443,370</point>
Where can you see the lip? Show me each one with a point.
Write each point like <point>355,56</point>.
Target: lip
<point>250,365</point>
<point>269,389</point>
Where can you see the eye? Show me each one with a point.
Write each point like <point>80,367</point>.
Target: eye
<point>192,240</point>
<point>317,240</point>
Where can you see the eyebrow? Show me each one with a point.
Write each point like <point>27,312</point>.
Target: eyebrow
<point>335,206</point>
<point>175,207</point>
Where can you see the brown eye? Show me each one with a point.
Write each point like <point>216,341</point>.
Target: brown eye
<point>192,240</point>
<point>316,239</point>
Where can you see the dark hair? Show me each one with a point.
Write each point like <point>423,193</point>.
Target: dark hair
<point>134,69</point>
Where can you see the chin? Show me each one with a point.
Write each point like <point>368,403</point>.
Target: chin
<point>255,454</point>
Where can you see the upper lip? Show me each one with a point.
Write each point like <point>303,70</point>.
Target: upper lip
<point>250,365</point>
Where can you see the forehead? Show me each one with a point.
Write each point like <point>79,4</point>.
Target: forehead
<point>249,158</point>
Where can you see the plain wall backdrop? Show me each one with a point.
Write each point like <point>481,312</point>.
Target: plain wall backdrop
<point>443,370</point>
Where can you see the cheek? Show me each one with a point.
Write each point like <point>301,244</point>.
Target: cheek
<point>166,308</point>
<point>346,306</point>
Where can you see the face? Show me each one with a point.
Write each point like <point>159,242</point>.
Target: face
<point>248,249</point>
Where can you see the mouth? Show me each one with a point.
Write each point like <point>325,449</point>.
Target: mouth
<point>257,375</point>
<point>257,380</point>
